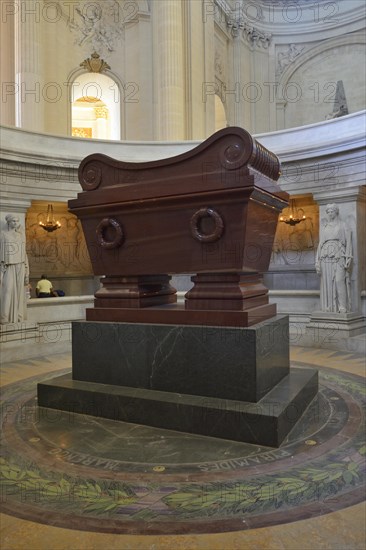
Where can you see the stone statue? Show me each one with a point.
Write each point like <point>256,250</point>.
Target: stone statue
<point>14,271</point>
<point>333,263</point>
<point>340,103</point>
<point>100,24</point>
<point>287,57</point>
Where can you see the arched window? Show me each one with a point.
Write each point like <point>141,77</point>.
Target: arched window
<point>96,108</point>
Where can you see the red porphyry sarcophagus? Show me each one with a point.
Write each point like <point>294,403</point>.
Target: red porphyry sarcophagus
<point>211,211</point>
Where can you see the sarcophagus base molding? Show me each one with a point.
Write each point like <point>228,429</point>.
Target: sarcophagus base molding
<point>135,292</point>
<point>172,314</point>
<point>226,291</point>
<point>230,299</point>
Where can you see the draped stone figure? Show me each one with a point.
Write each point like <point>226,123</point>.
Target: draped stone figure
<point>333,263</point>
<point>14,272</point>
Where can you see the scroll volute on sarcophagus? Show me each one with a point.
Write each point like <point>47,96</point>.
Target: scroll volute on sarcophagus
<point>212,209</point>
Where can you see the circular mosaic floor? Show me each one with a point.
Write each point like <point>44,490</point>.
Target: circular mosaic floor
<point>81,472</point>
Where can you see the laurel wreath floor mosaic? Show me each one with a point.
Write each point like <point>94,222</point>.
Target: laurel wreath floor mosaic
<point>81,472</point>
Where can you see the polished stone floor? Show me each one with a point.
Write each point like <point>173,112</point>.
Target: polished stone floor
<point>74,481</point>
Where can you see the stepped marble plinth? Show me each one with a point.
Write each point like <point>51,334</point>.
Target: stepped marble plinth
<point>264,423</point>
<point>228,382</point>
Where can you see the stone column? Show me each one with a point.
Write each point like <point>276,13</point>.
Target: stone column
<point>195,77</point>
<point>168,22</point>
<point>233,91</point>
<point>351,203</point>
<point>208,99</point>
<point>240,112</point>
<point>101,114</point>
<point>28,66</point>
<point>7,65</point>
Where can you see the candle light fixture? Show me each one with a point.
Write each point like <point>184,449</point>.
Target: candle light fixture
<point>293,217</point>
<point>50,224</point>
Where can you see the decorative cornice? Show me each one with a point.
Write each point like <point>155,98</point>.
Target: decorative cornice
<point>225,6</point>
<point>282,3</point>
<point>14,204</point>
<point>340,195</point>
<point>304,20</point>
<point>251,34</point>
<point>342,136</point>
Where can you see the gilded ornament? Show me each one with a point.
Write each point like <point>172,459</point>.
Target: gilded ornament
<point>95,64</point>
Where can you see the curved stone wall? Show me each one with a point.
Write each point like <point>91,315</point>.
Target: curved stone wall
<point>321,163</point>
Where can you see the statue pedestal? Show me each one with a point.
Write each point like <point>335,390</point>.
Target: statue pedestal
<point>229,382</point>
<point>340,325</point>
<point>17,331</point>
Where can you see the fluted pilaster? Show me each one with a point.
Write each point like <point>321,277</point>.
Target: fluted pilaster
<point>7,69</point>
<point>168,21</point>
<point>28,66</point>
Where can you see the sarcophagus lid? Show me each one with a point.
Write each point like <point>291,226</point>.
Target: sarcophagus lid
<point>212,209</point>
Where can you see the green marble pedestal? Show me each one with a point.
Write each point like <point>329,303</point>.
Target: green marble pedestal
<point>228,382</point>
